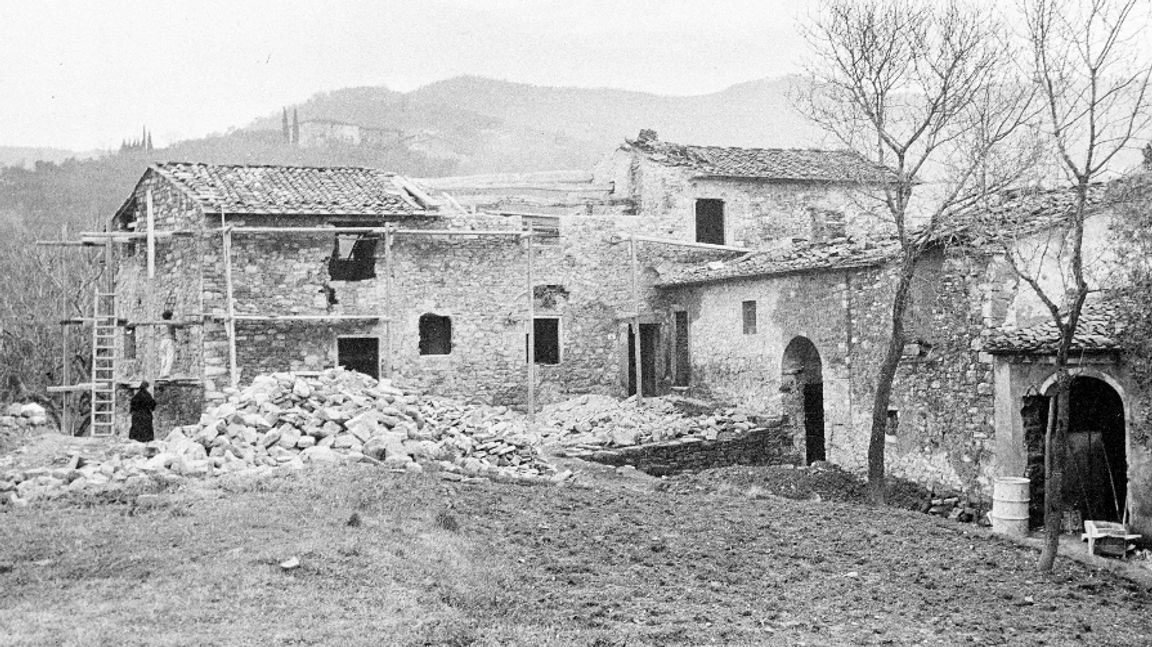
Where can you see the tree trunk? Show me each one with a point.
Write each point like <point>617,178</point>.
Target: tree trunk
<point>884,379</point>
<point>1054,455</point>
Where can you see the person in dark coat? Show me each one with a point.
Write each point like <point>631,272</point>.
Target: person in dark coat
<point>141,407</point>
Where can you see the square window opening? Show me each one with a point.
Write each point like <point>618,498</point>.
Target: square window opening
<point>710,221</point>
<point>360,354</point>
<point>435,335</point>
<point>353,257</point>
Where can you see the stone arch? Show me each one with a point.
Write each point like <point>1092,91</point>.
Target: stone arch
<point>802,381</point>
<point>1096,466</point>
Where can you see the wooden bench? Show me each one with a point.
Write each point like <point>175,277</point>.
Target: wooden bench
<point>1115,535</point>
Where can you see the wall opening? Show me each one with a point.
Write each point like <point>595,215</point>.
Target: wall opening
<point>360,354</point>
<point>649,336</point>
<point>748,309</point>
<point>435,334</point>
<point>683,369</point>
<point>803,383</point>
<point>353,257</point>
<point>1096,465</point>
<point>546,335</point>
<point>130,342</point>
<point>710,221</point>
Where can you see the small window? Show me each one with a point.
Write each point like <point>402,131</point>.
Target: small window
<point>749,317</point>
<point>710,221</point>
<point>435,335</point>
<point>827,224</point>
<point>353,257</point>
<point>130,342</point>
<point>546,331</point>
<point>360,354</point>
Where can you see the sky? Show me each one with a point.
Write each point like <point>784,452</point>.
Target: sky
<point>83,75</point>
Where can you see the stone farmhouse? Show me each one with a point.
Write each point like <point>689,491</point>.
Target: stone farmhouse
<point>754,276</point>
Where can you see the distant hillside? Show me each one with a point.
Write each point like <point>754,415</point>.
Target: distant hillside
<point>757,113</point>
<point>466,125</point>
<point>27,156</point>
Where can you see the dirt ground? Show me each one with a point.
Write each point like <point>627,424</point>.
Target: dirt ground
<point>617,559</point>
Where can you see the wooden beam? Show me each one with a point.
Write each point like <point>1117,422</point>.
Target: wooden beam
<point>229,305</point>
<point>390,301</point>
<point>531,335</point>
<point>151,232</point>
<point>684,243</point>
<point>637,364</point>
<point>378,230</point>
<point>309,318</point>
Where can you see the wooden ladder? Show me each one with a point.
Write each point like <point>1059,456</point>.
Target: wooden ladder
<point>103,363</point>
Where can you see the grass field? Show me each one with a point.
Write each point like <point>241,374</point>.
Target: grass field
<point>393,559</point>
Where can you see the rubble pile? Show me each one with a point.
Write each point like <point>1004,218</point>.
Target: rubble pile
<point>23,419</point>
<point>284,419</point>
<point>596,421</point>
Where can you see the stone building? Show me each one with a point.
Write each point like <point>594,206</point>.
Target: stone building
<point>251,269</point>
<point>753,276</point>
<point>800,330</point>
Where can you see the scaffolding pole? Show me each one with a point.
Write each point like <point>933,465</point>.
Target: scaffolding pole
<point>390,302</point>
<point>531,335</point>
<point>229,306</point>
<point>65,419</point>
<point>636,363</point>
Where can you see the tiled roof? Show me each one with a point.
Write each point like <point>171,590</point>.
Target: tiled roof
<point>1019,212</point>
<point>1095,331</point>
<point>762,163</point>
<point>841,253</point>
<point>295,190</point>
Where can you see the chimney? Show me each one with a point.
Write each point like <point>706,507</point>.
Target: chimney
<point>647,135</point>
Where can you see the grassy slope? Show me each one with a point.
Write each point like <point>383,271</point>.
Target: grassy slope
<point>434,562</point>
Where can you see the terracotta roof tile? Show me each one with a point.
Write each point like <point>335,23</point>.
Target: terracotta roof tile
<point>763,163</point>
<point>1019,212</point>
<point>1095,331</point>
<point>840,253</point>
<point>289,190</point>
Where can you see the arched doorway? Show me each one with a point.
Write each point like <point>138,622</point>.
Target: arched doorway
<point>1096,466</point>
<point>802,383</point>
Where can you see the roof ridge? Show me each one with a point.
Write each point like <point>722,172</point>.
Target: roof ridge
<point>279,166</point>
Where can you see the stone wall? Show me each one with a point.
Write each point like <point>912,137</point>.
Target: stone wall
<point>942,398</point>
<point>770,445</point>
<point>756,211</point>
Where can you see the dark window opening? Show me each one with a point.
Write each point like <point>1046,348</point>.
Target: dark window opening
<point>360,354</point>
<point>435,335</point>
<point>353,257</point>
<point>130,342</point>
<point>749,317</point>
<point>710,221</point>
<point>546,331</point>
<point>683,370</point>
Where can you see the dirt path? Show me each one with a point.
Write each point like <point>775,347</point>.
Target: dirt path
<point>432,562</point>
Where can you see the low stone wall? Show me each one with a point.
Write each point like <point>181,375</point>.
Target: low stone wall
<point>771,445</point>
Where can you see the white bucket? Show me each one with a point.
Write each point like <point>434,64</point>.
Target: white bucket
<point>1010,506</point>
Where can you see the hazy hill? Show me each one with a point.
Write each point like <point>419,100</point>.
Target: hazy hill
<point>27,156</point>
<point>465,125</point>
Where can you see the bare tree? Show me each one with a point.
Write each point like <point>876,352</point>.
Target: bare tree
<point>1095,94</point>
<point>926,89</point>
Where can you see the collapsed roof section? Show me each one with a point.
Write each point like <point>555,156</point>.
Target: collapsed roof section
<point>839,254</point>
<point>297,190</point>
<point>780,164</point>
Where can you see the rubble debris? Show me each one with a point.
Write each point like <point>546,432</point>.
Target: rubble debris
<point>286,419</point>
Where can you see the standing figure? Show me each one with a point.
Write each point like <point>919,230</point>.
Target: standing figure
<point>141,407</point>
<point>167,347</point>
